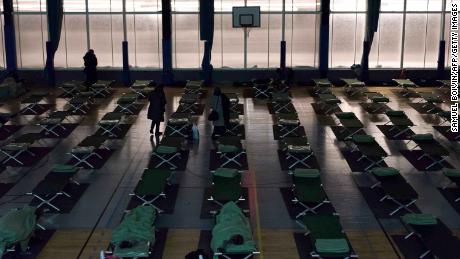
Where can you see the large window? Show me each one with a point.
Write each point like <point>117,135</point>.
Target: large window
<point>418,37</point>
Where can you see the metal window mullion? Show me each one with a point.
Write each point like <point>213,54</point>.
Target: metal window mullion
<point>403,38</point>
<point>88,40</point>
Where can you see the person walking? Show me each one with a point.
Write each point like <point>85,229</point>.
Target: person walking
<point>157,99</point>
<point>90,70</point>
<point>220,111</point>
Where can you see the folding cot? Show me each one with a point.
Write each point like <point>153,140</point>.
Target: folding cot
<point>52,186</point>
<point>193,87</point>
<point>33,103</point>
<point>72,87</point>
<point>80,103</point>
<point>350,123</point>
<point>298,150</point>
<point>327,236</point>
<point>445,116</point>
<point>189,103</point>
<point>127,102</point>
<point>134,236</point>
<point>354,86</point>
<point>88,148</point>
<point>151,187</point>
<point>281,102</point>
<point>53,122</point>
<point>378,101</point>
<point>288,124</point>
<point>444,83</point>
<point>234,125</point>
<point>431,149</point>
<point>431,100</point>
<point>140,87</point>
<point>322,86</point>
<point>262,87</point>
<point>435,237</point>
<point>230,222</point>
<point>369,149</point>
<point>454,177</point>
<point>226,186</point>
<point>401,123</point>
<point>167,150</point>
<point>395,188</point>
<point>405,84</point>
<point>16,229</point>
<point>102,88</point>
<point>4,118</point>
<point>328,102</point>
<point>19,146</point>
<point>110,122</point>
<point>229,149</point>
<point>308,190</point>
<point>234,102</point>
<point>179,124</point>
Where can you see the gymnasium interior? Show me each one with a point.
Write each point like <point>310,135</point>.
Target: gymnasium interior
<point>340,136</point>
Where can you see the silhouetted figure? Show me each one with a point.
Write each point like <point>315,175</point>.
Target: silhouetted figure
<point>157,99</point>
<point>221,104</point>
<point>90,70</point>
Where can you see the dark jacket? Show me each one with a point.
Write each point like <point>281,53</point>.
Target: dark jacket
<point>90,70</point>
<point>156,110</point>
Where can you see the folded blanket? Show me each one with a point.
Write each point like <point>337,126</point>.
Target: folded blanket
<point>17,226</point>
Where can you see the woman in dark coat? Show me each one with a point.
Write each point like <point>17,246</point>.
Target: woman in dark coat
<point>221,104</point>
<point>156,111</point>
<point>90,62</point>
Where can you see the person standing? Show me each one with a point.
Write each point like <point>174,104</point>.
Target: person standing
<point>157,99</point>
<point>220,104</point>
<point>90,70</point>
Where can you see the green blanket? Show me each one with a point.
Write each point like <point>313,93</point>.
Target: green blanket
<point>17,226</point>
<point>137,228</point>
<point>229,222</point>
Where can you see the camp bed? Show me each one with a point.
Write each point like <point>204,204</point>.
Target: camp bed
<point>434,235</point>
<point>431,149</point>
<point>233,128</point>
<point>102,88</point>
<point>52,186</point>
<point>454,176</point>
<point>167,150</point>
<point>281,102</point>
<point>405,84</point>
<point>308,190</point>
<point>189,103</point>
<point>369,149</point>
<point>350,123</point>
<point>134,236</point>
<point>110,122</point>
<point>80,104</point>
<point>445,116</point>
<point>288,124</point>
<point>395,188</point>
<point>326,236</point>
<point>151,187</point>
<point>88,148</point>
<point>328,102</point>
<point>229,222</point>
<point>193,87</point>
<point>377,101</point>
<point>354,86</point>
<point>32,103</point>
<point>53,122</point>
<point>127,102</point>
<point>226,186</point>
<point>262,87</point>
<point>179,124</point>
<point>297,150</point>
<point>19,146</point>
<point>322,86</point>
<point>72,87</point>
<point>140,87</point>
<point>4,118</point>
<point>444,83</point>
<point>234,102</point>
<point>400,122</point>
<point>16,228</point>
<point>229,150</point>
<point>431,100</point>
